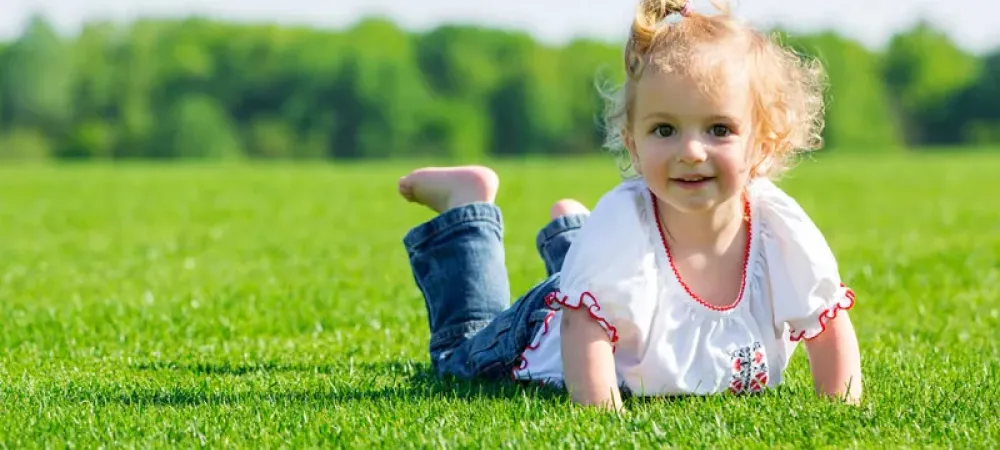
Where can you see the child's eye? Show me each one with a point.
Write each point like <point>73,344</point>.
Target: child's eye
<point>721,131</point>
<point>663,130</point>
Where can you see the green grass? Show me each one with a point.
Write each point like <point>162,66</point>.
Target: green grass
<point>273,306</point>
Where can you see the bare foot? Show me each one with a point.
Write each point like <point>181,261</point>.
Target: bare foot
<point>566,207</point>
<point>443,188</point>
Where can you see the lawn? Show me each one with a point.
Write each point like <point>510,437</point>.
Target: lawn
<point>187,305</point>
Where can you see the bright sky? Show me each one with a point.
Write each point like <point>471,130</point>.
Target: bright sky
<point>972,23</point>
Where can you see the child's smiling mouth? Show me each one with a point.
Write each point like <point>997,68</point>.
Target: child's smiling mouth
<point>692,181</point>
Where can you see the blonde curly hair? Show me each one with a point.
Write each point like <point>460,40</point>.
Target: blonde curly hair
<point>787,89</point>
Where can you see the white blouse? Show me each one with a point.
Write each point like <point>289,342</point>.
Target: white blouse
<point>666,341</point>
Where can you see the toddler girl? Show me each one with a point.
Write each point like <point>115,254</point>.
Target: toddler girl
<point>696,275</point>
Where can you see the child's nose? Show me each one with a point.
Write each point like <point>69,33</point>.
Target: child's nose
<point>692,149</point>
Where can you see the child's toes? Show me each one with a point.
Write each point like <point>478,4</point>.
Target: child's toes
<point>567,207</point>
<point>405,188</point>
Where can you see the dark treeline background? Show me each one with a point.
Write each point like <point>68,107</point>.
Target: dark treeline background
<point>200,88</point>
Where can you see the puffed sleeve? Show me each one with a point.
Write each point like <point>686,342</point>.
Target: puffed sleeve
<point>805,282</point>
<point>607,268</point>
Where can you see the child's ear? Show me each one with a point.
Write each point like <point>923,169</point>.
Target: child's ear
<point>629,143</point>
<point>759,159</point>
<point>633,155</point>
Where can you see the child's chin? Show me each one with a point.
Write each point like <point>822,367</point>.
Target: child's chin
<point>689,203</point>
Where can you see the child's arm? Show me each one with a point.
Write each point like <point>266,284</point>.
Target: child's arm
<point>835,360</point>
<point>588,362</point>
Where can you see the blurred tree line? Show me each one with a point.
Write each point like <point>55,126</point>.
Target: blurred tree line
<point>203,89</point>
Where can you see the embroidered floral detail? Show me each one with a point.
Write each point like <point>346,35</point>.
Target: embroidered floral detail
<point>749,369</point>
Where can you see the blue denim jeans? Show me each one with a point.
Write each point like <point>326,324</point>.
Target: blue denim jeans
<point>458,263</point>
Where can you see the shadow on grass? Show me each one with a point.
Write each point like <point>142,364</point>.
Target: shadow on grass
<point>263,367</point>
<point>337,384</point>
<point>409,382</point>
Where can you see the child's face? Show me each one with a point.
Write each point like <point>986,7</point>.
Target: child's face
<point>692,148</point>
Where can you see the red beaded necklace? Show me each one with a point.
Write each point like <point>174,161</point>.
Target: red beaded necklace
<point>746,256</point>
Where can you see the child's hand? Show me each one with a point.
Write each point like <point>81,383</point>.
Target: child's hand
<point>588,362</point>
<point>835,360</point>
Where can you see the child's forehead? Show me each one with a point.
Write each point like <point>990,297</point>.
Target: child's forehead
<point>679,93</point>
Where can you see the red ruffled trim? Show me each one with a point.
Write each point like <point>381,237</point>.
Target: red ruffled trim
<point>593,307</point>
<point>553,302</point>
<point>826,316</point>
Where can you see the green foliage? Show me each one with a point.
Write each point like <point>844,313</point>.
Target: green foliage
<point>980,119</point>
<point>196,126</point>
<point>858,115</point>
<point>924,69</point>
<point>197,88</point>
<point>38,77</point>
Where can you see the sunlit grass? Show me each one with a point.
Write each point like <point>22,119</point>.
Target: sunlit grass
<point>273,306</point>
